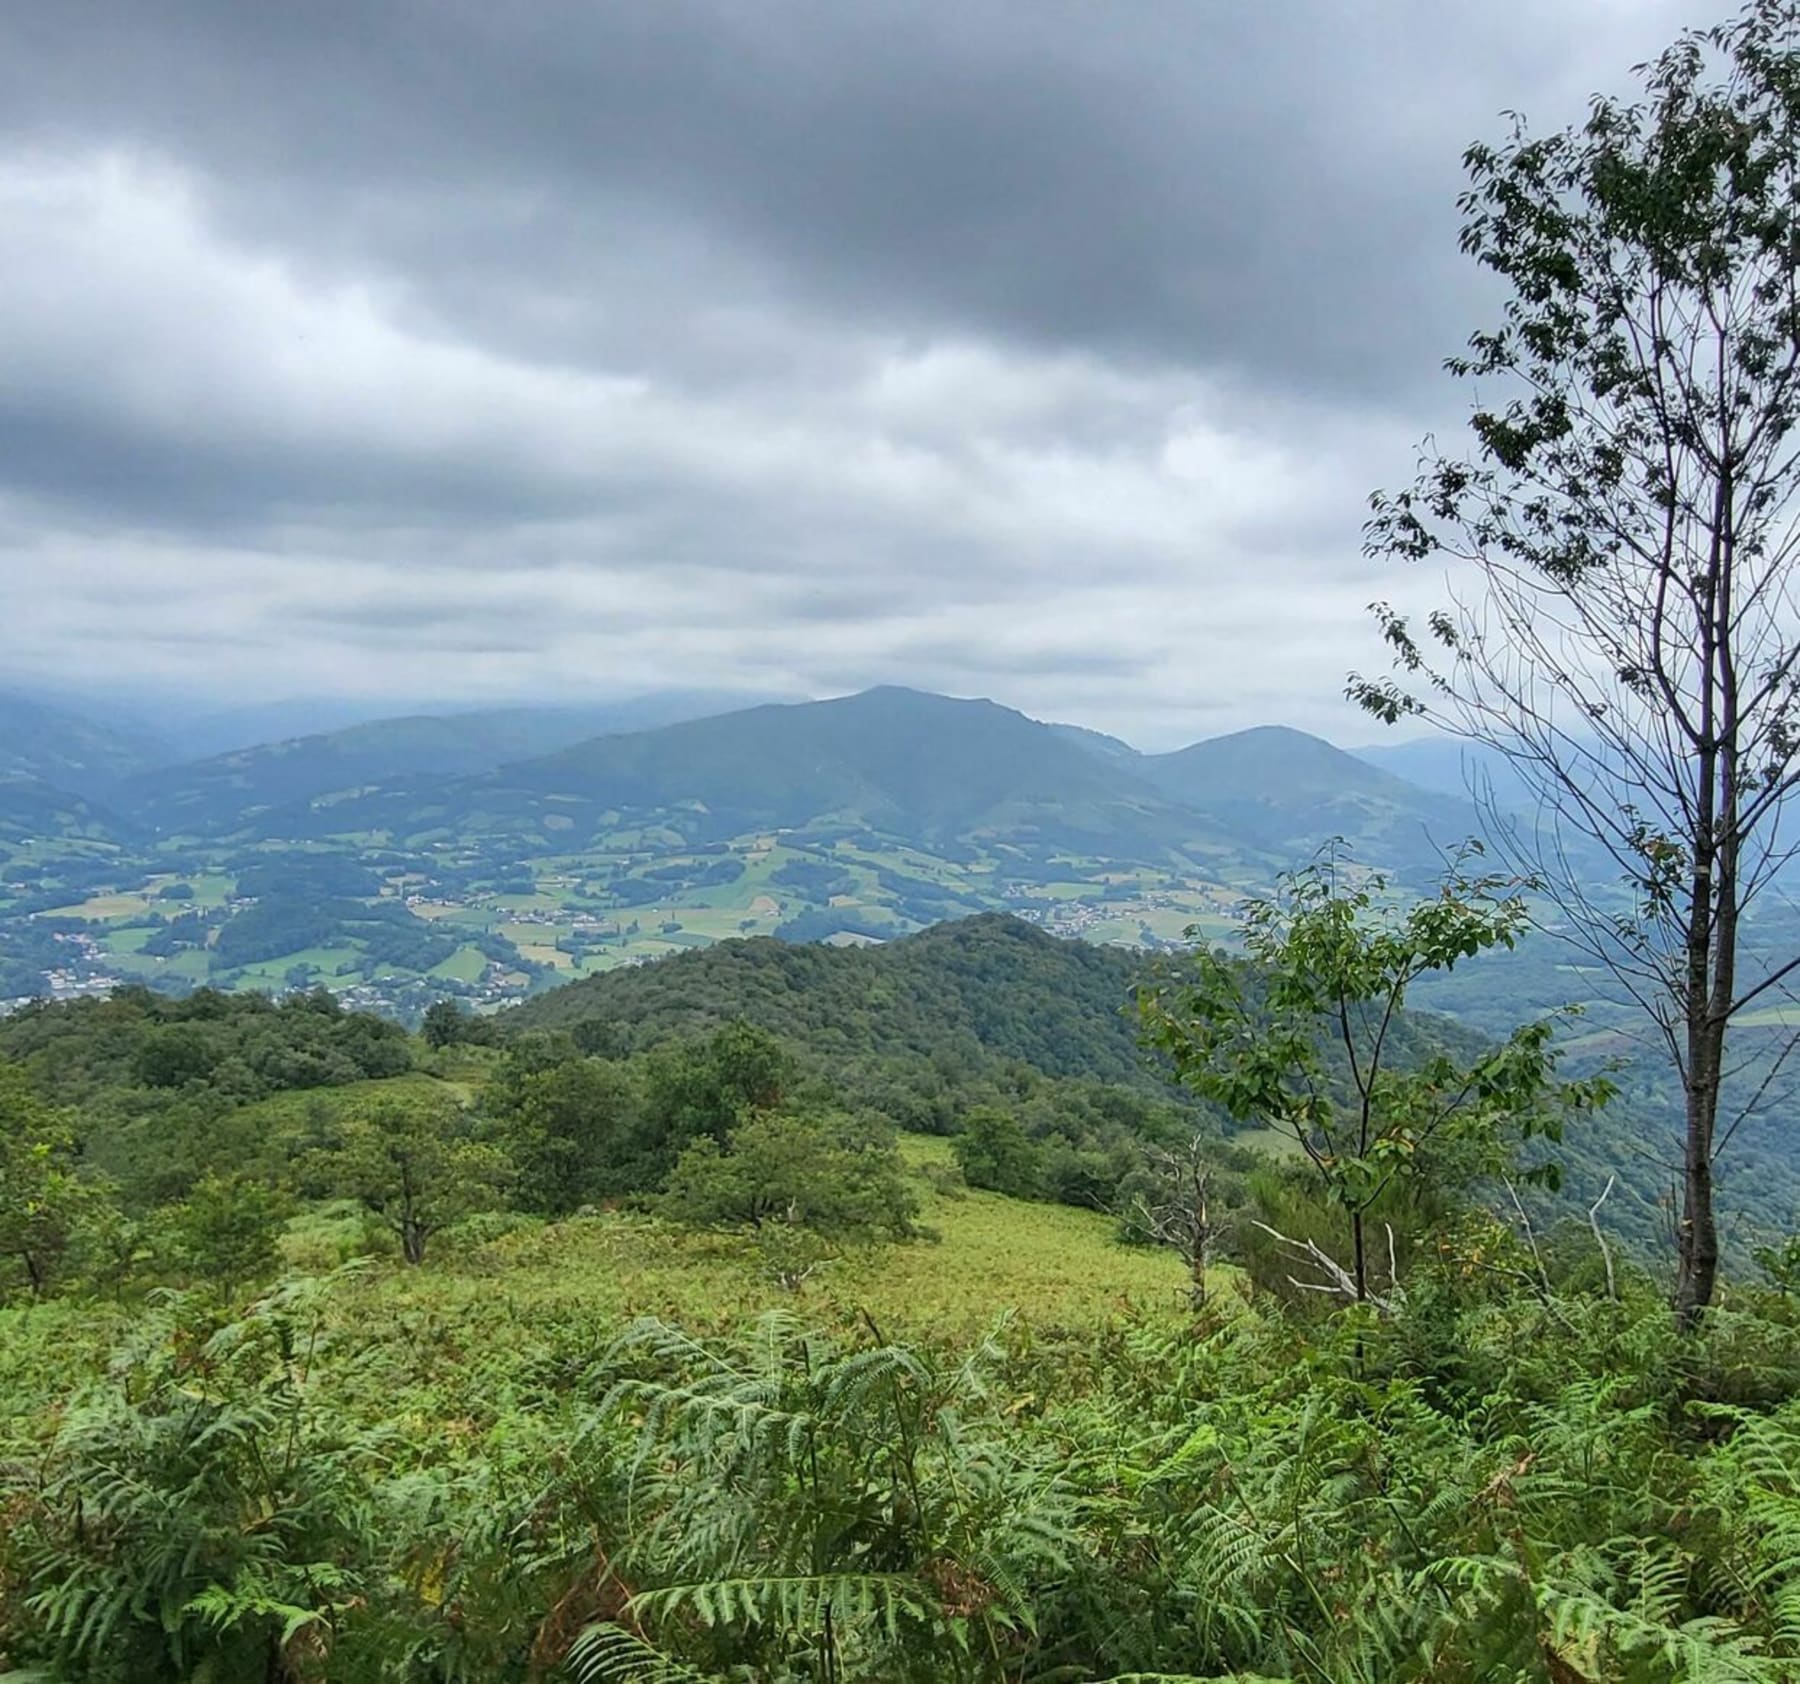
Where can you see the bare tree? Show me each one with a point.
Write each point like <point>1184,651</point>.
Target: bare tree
<point>1178,1212</point>
<point>1623,624</point>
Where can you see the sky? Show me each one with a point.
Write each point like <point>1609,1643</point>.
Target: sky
<point>1045,350</point>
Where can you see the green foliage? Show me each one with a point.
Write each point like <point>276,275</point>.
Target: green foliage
<point>982,991</point>
<point>195,1521</point>
<point>42,1203</point>
<point>225,1232</point>
<point>416,1167</point>
<point>994,1151</point>
<point>575,1128</point>
<point>822,1173</point>
<point>373,1482</point>
<point>1328,964</point>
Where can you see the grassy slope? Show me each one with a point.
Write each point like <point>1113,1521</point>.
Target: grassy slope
<point>1052,1266</point>
<point>569,1288</point>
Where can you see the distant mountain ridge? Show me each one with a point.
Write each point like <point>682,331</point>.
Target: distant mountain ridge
<point>69,751</point>
<point>1286,791</point>
<point>215,793</point>
<point>929,769</point>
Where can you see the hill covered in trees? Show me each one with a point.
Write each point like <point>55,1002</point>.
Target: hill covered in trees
<point>978,989</point>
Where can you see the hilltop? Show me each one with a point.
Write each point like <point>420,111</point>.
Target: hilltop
<point>976,988</point>
<point>1285,791</point>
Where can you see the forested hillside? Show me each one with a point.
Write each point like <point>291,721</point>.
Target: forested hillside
<point>982,988</point>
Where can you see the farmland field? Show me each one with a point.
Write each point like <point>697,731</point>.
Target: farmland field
<point>435,916</point>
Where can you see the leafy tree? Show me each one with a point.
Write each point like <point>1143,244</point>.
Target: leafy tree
<point>1329,964</point>
<point>574,1130</point>
<point>444,1023</point>
<point>416,1165</point>
<point>42,1201</point>
<point>696,1088</point>
<point>175,1054</point>
<point>1628,524</point>
<point>994,1151</point>
<point>226,1231</point>
<point>824,1174</point>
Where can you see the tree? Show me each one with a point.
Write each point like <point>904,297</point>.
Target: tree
<point>225,1231</point>
<point>573,1131</point>
<point>1627,525</point>
<point>824,1174</point>
<point>993,1151</point>
<point>42,1201</point>
<point>1329,966</point>
<point>416,1165</point>
<point>445,1024</point>
<point>1174,1206</point>
<point>708,1087</point>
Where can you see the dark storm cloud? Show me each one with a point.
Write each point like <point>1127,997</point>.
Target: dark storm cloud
<point>792,346</point>
<point>1198,181</point>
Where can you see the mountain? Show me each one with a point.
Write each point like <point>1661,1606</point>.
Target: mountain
<point>924,768</point>
<point>69,751</point>
<point>927,769</point>
<point>203,735</point>
<point>1098,743</point>
<point>900,761</point>
<point>1288,793</point>
<point>403,859</point>
<point>216,794</point>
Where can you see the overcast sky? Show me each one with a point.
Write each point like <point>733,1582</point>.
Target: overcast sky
<point>1045,349</point>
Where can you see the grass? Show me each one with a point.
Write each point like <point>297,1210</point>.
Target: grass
<point>1051,1267</point>
<point>464,965</point>
<point>422,1340</point>
<point>104,907</point>
<point>292,1110</point>
<point>272,973</point>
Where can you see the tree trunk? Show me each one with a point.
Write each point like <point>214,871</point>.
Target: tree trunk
<point>1698,1239</point>
<point>412,1241</point>
<point>1362,1268</point>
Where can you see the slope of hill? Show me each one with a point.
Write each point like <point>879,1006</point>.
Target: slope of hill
<point>35,813</point>
<point>977,989</point>
<point>987,986</point>
<point>68,751</point>
<point>1450,767</point>
<point>900,761</point>
<point>895,762</point>
<point>1289,793</point>
<point>220,793</point>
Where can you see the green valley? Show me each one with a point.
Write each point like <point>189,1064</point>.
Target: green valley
<point>401,862</point>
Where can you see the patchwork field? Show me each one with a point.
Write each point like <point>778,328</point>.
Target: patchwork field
<point>395,927</point>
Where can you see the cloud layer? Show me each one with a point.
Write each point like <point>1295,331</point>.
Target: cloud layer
<point>467,349</point>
